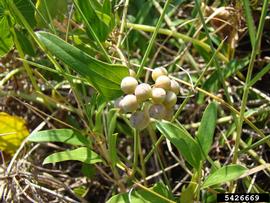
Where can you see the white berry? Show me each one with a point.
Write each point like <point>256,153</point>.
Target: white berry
<point>129,84</point>
<point>163,82</point>
<point>129,103</point>
<point>158,95</point>
<point>143,92</point>
<point>158,72</point>
<point>175,87</point>
<point>170,99</point>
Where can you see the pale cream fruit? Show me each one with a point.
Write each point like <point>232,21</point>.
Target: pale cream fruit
<point>157,111</point>
<point>132,73</point>
<point>129,103</point>
<point>129,84</point>
<point>170,99</point>
<point>143,92</point>
<point>163,82</point>
<point>158,72</point>
<point>175,87</point>
<point>158,95</point>
<point>139,120</point>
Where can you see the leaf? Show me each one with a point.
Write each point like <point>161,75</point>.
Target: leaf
<point>224,174</point>
<point>46,9</point>
<point>100,22</point>
<point>112,137</point>
<point>6,40</point>
<point>207,128</point>
<point>106,78</point>
<point>188,194</point>
<point>143,196</point>
<point>183,142</point>
<point>25,43</point>
<point>27,10</point>
<point>12,132</point>
<point>67,136</point>
<point>82,154</point>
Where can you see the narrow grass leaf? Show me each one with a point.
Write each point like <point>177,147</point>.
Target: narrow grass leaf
<point>250,22</point>
<point>105,77</point>
<point>224,174</point>
<point>112,137</point>
<point>207,128</point>
<point>82,154</point>
<point>183,142</point>
<point>66,136</point>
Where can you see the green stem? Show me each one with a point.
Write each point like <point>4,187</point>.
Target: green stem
<point>248,78</point>
<point>152,40</point>
<point>136,152</point>
<point>147,28</point>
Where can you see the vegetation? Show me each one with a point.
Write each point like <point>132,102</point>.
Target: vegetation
<point>133,101</point>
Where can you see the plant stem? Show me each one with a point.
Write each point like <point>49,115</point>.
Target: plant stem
<point>248,78</point>
<point>175,34</point>
<point>152,40</point>
<point>136,152</point>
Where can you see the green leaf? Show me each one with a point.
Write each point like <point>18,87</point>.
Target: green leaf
<point>67,136</point>
<point>188,194</point>
<point>143,196</point>
<point>207,128</point>
<point>27,10</point>
<point>250,22</point>
<point>99,21</point>
<point>183,141</point>
<point>112,137</point>
<point>82,154</point>
<point>25,43</point>
<point>106,78</point>
<point>6,40</point>
<point>224,174</point>
<point>47,9</point>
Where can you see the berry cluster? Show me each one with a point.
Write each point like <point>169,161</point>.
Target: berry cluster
<point>162,97</point>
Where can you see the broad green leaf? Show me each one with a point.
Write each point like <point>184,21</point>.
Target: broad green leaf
<point>224,174</point>
<point>67,136</point>
<point>82,154</point>
<point>27,10</point>
<point>143,196</point>
<point>12,132</point>
<point>207,128</point>
<point>183,141</point>
<point>47,10</point>
<point>106,78</point>
<point>6,40</point>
